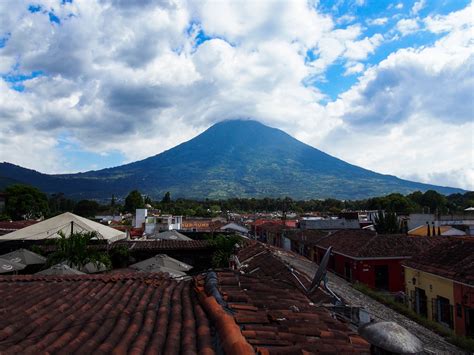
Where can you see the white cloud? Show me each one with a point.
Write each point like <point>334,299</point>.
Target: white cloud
<point>378,21</point>
<point>354,68</point>
<point>417,6</point>
<point>126,76</point>
<point>407,26</point>
<point>415,108</point>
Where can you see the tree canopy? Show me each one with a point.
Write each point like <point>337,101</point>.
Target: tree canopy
<point>133,201</point>
<point>25,202</point>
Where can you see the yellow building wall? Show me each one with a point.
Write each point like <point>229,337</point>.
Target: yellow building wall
<point>433,285</point>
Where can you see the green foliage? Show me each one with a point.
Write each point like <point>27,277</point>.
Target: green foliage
<point>119,256</point>
<point>460,341</point>
<point>58,203</point>
<point>86,208</point>
<point>25,202</point>
<point>387,223</point>
<point>133,201</point>
<point>76,251</point>
<point>166,198</point>
<point>231,159</point>
<point>223,248</point>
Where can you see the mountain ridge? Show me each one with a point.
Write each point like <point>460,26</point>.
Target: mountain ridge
<point>234,158</point>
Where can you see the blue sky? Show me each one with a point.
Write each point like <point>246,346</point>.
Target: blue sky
<point>93,84</point>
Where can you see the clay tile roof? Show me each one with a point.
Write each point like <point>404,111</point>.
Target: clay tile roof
<point>11,226</point>
<point>367,244</point>
<point>157,246</point>
<point>119,313</point>
<point>307,237</point>
<point>165,244</point>
<point>276,318</point>
<point>453,259</point>
<point>260,261</point>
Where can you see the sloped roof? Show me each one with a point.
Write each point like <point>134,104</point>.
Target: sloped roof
<point>306,236</point>
<point>421,231</point>
<point>235,226</point>
<point>276,318</point>
<point>49,228</point>
<point>161,260</point>
<point>170,235</point>
<point>367,244</point>
<point>11,226</point>
<point>60,269</point>
<point>25,257</point>
<point>149,312</point>
<point>7,266</point>
<point>453,259</point>
<point>109,313</point>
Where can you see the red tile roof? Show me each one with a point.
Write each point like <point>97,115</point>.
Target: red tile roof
<point>259,260</point>
<point>11,226</point>
<point>120,313</point>
<point>151,313</point>
<point>278,319</point>
<point>150,245</point>
<point>453,259</point>
<point>307,236</point>
<point>367,244</point>
<point>164,244</point>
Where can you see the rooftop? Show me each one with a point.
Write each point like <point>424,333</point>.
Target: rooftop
<point>367,244</point>
<point>150,312</point>
<point>453,259</point>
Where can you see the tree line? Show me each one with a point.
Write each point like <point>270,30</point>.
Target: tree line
<point>27,202</point>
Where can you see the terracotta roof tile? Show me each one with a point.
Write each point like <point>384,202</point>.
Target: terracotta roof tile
<point>453,259</point>
<point>276,318</point>
<point>120,313</point>
<point>367,244</point>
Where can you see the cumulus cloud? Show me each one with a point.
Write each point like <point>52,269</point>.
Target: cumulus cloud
<point>139,77</point>
<point>378,21</point>
<point>407,26</point>
<point>417,6</point>
<point>414,107</point>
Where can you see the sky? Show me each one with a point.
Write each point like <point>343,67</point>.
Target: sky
<point>386,85</point>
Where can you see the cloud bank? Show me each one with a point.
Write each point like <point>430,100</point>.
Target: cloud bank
<point>140,77</point>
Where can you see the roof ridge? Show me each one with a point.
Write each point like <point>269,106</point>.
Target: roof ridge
<point>229,331</point>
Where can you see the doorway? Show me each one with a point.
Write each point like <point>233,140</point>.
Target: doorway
<point>381,277</point>
<point>421,302</point>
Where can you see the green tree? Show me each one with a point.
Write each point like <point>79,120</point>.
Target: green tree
<point>76,251</point>
<point>58,203</point>
<point>166,198</point>
<point>387,223</point>
<point>25,202</point>
<point>86,208</point>
<point>223,248</point>
<point>435,201</point>
<point>133,201</point>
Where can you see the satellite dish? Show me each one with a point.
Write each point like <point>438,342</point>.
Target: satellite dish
<point>321,272</point>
